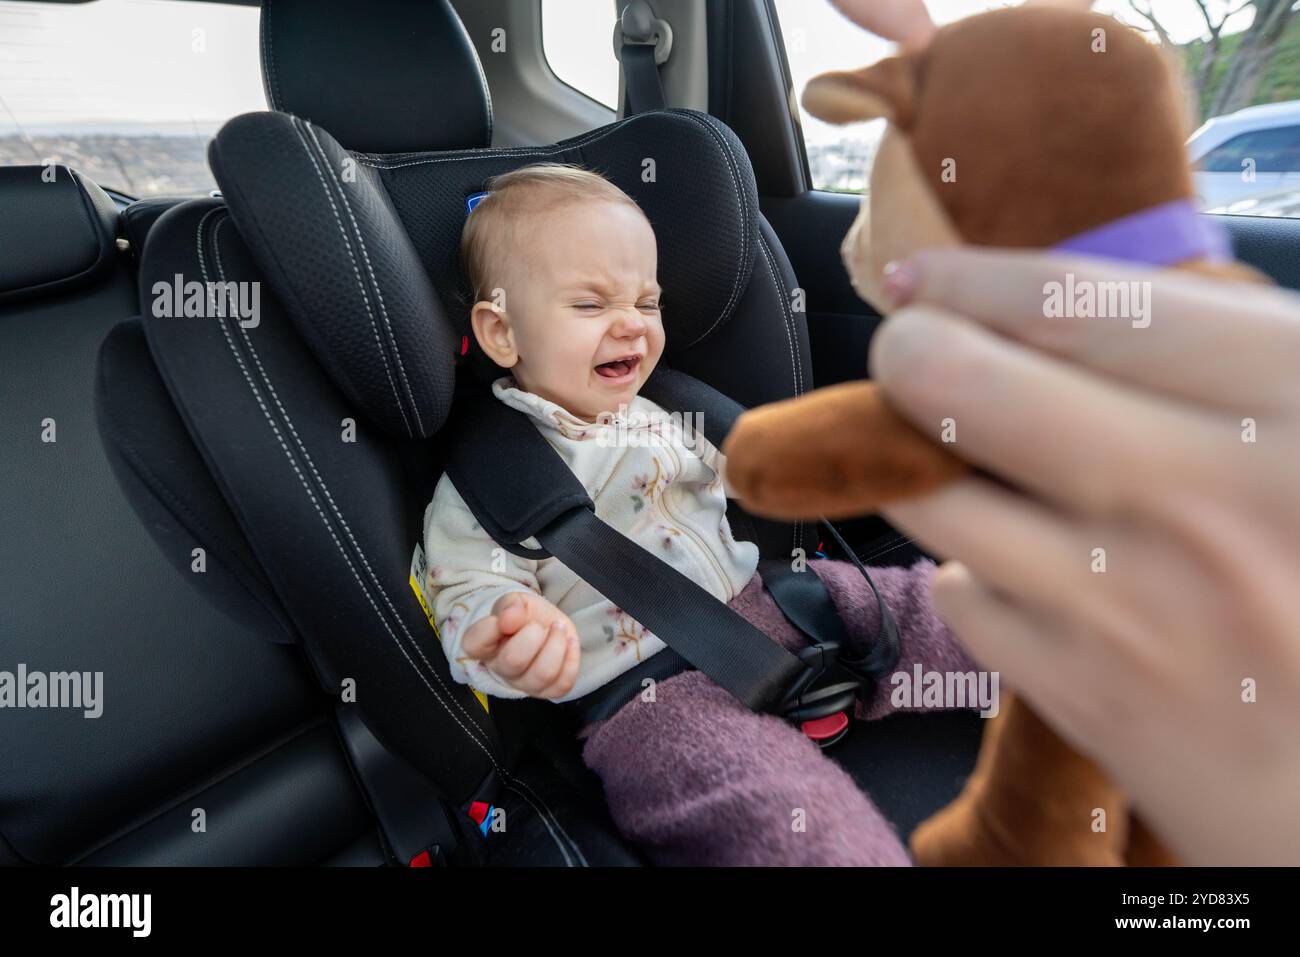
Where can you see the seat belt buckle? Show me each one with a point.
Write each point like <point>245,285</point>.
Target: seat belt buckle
<point>817,702</point>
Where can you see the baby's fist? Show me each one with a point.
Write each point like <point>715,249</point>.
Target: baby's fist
<point>529,643</point>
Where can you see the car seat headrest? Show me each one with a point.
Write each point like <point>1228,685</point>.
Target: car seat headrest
<point>58,231</point>
<point>321,230</point>
<point>390,76</point>
<point>686,170</point>
<point>363,250</point>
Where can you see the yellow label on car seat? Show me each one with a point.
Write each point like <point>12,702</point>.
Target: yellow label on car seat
<point>419,568</point>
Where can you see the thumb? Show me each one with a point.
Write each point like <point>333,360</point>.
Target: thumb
<point>512,612</point>
<point>483,639</point>
<point>508,600</point>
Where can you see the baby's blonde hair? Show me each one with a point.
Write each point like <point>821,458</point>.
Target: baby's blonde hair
<point>537,188</point>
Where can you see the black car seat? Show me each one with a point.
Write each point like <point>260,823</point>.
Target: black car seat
<point>315,420</point>
<point>198,712</point>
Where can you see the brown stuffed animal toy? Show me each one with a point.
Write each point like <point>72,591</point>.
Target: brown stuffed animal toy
<point>1066,130</point>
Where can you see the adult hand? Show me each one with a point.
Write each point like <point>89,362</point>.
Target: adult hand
<point>1137,577</point>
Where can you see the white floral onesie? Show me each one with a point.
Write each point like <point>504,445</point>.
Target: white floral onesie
<point>651,480</point>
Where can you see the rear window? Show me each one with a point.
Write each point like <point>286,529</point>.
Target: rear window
<point>126,91</point>
<point>1234,55</point>
<point>577,41</point>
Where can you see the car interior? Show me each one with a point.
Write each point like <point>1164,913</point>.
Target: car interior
<point>180,515</point>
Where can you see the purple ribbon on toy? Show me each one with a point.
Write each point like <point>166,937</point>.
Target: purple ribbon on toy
<point>1169,233</point>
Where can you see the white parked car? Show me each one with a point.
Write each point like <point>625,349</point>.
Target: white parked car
<point>1278,203</point>
<point>1242,154</point>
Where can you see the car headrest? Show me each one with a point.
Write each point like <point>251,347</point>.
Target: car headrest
<point>363,251</point>
<point>58,231</point>
<point>390,76</point>
<point>322,231</point>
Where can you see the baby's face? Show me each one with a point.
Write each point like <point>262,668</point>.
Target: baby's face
<point>582,305</point>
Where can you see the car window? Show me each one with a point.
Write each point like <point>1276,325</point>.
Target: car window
<point>1272,151</point>
<point>126,91</point>
<point>818,38</point>
<point>1236,55</point>
<point>578,43</point>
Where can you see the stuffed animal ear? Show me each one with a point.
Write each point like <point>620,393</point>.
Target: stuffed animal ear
<point>887,89</point>
<point>906,22</point>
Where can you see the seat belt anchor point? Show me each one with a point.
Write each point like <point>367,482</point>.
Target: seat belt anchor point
<point>638,26</point>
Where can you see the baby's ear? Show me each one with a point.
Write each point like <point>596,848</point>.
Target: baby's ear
<point>493,333</point>
<point>887,89</point>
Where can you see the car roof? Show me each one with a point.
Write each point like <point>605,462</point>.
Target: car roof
<point>1219,129</point>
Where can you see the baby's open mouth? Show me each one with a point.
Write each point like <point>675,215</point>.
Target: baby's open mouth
<point>618,368</point>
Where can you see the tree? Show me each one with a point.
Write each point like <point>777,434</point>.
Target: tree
<point>1241,82</point>
<point>1241,78</point>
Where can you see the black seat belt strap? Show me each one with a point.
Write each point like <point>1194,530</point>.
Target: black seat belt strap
<point>415,819</point>
<point>882,657</point>
<point>644,88</point>
<point>802,598</point>
<point>642,41</point>
<point>706,632</point>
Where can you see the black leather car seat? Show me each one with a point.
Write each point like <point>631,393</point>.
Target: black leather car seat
<point>198,712</point>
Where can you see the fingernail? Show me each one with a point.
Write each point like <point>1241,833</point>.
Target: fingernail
<point>899,281</point>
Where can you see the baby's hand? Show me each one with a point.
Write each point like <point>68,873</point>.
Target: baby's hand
<point>527,642</point>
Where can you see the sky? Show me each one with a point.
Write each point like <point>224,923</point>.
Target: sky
<point>66,65</point>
